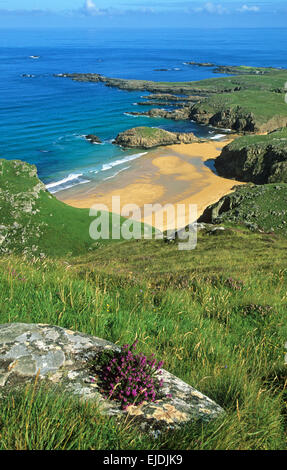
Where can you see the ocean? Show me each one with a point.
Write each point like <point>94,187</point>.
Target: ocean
<point>44,118</point>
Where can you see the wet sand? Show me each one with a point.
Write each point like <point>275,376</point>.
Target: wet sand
<point>178,174</point>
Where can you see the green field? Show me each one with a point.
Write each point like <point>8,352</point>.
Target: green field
<point>215,315</point>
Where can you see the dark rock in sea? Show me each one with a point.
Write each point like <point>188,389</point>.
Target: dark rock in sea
<point>94,139</point>
<point>64,360</point>
<point>201,64</point>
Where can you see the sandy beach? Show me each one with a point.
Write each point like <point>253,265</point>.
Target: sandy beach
<point>179,174</point>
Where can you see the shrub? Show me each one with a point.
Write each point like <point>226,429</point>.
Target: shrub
<point>132,378</point>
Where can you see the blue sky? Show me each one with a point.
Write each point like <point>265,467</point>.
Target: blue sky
<point>101,13</point>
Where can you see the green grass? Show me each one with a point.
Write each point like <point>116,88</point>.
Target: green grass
<point>226,341</point>
<point>260,103</point>
<point>277,139</point>
<point>44,225</point>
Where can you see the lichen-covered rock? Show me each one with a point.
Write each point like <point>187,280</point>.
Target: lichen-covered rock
<point>64,357</point>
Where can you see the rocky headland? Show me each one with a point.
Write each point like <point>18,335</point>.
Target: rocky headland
<point>251,101</point>
<point>259,159</point>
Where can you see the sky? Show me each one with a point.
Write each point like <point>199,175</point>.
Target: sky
<point>144,13</point>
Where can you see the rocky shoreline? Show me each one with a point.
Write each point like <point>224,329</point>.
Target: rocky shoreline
<point>250,103</point>
<point>230,102</point>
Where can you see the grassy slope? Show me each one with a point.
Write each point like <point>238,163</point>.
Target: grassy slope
<point>183,307</point>
<point>45,225</point>
<point>276,138</point>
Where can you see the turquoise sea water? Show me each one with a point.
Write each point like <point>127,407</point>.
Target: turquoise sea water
<point>43,118</point>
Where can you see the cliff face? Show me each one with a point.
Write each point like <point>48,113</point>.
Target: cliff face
<point>257,207</point>
<point>236,119</point>
<point>145,137</point>
<point>257,159</point>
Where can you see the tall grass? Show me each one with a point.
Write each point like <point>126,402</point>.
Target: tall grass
<point>226,339</point>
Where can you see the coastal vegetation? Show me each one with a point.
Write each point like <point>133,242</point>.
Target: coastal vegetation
<point>215,316</point>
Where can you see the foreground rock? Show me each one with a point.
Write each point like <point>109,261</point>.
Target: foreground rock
<point>63,357</point>
<point>147,137</point>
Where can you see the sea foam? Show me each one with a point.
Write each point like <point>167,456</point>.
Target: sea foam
<point>68,182</point>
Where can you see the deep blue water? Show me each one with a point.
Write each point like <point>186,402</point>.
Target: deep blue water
<point>44,118</point>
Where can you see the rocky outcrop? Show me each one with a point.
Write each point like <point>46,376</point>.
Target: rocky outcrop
<point>258,159</point>
<point>146,137</point>
<point>201,64</point>
<point>177,114</point>
<point>236,119</point>
<point>133,85</point>
<point>213,214</point>
<point>94,139</point>
<point>167,97</point>
<point>63,358</point>
<point>258,207</point>
<point>242,70</point>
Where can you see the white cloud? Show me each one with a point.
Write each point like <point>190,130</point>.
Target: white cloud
<point>211,8</point>
<point>246,8</point>
<point>91,9</point>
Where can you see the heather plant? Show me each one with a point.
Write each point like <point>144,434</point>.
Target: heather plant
<point>132,378</point>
